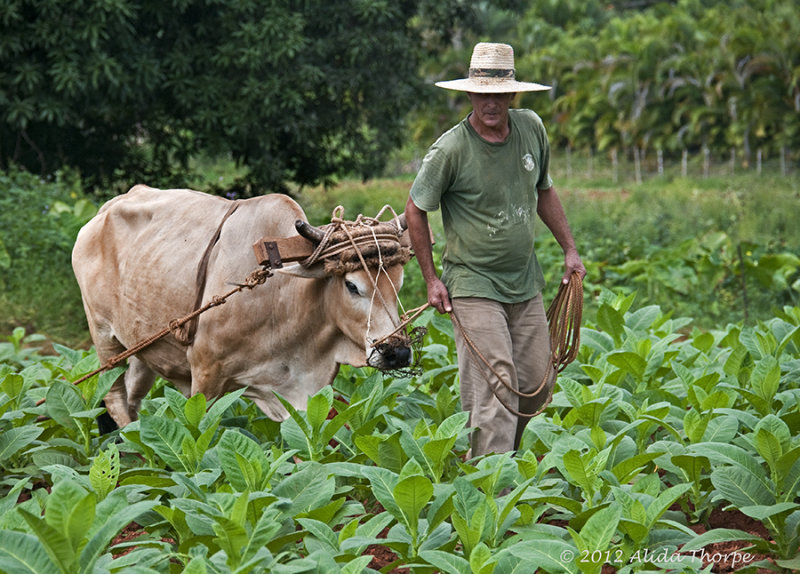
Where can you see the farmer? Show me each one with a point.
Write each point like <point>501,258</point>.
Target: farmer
<point>489,174</point>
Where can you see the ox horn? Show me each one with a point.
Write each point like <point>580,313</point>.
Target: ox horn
<point>308,231</point>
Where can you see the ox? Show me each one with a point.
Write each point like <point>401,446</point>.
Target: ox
<point>137,261</point>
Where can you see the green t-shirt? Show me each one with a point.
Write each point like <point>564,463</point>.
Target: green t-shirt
<point>488,193</point>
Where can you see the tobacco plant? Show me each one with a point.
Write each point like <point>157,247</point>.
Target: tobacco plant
<point>655,424</point>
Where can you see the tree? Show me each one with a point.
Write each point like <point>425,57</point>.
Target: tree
<point>129,90</point>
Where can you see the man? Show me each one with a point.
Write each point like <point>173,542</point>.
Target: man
<point>489,174</point>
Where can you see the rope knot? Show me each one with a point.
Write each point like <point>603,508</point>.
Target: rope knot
<point>365,242</point>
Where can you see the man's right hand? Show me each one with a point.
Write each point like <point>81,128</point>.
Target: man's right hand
<point>439,297</point>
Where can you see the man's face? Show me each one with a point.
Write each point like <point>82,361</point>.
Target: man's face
<point>491,110</point>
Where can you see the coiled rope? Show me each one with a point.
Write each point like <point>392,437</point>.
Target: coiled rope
<point>564,324</point>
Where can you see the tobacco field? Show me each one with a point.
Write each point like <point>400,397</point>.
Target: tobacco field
<point>653,428</point>
<point>671,444</point>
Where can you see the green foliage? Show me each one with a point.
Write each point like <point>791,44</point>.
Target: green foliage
<point>39,221</point>
<point>130,92</point>
<point>669,76</point>
<point>639,77</point>
<point>655,424</point>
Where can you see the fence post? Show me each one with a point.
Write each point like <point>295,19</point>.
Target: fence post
<point>684,163</point>
<point>615,165</point>
<point>569,161</point>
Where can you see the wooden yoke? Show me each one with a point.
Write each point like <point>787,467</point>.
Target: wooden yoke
<point>276,252</point>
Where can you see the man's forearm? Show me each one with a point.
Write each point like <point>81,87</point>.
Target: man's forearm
<point>552,214</point>
<point>421,242</point>
<point>418,233</point>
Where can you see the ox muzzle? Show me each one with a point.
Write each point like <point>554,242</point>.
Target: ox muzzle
<point>394,353</point>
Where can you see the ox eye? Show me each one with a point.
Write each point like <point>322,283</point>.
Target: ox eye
<point>351,287</point>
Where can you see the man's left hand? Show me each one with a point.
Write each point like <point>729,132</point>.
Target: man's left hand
<point>573,264</point>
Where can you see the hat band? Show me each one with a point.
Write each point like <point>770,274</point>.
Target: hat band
<point>491,73</point>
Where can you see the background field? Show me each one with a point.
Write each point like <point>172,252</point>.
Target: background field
<point>718,249</point>
<point>670,444</point>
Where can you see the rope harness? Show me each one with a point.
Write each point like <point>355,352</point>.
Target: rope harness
<point>368,243</point>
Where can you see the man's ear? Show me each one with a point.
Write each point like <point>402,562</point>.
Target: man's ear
<point>315,271</point>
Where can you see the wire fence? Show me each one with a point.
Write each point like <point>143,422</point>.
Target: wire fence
<point>586,165</point>
<point>638,166</point>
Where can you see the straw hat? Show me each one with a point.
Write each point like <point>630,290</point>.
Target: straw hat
<point>491,71</point>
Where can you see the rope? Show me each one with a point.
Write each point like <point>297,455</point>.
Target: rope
<point>256,277</point>
<point>343,236</point>
<point>186,336</point>
<point>564,319</point>
<point>339,236</point>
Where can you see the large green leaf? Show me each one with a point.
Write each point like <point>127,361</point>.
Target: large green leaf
<point>552,555</point>
<point>218,407</point>
<point>309,487</point>
<point>383,482</point>
<point>384,451</point>
<point>62,401</point>
<point>629,362</point>
<point>741,488</point>
<point>600,528</point>
<point>232,449</point>
<point>194,409</point>
<point>165,436</point>
<point>765,378</point>
<point>318,408</point>
<point>71,510</point>
<point>22,553</point>
<point>717,535</point>
<point>762,513</point>
<point>446,562</point>
<point>107,527</point>
<point>15,439</point>
<point>412,494</point>
<point>611,321</point>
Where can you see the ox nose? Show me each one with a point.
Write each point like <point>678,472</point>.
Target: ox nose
<point>393,356</point>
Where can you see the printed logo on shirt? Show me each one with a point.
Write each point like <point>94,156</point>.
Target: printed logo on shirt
<point>527,162</point>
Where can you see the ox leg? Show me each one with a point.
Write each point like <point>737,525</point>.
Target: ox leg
<point>139,379</point>
<point>116,402</point>
<point>116,399</point>
<point>125,396</point>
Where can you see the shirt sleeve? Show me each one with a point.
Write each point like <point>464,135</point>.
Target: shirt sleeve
<point>432,180</point>
<point>545,181</point>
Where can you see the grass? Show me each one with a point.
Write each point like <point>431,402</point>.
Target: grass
<point>611,223</point>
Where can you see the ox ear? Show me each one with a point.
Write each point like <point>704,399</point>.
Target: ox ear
<point>315,271</point>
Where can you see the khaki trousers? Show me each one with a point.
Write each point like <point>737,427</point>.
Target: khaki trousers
<point>514,339</point>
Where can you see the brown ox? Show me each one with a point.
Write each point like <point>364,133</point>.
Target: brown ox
<point>136,263</point>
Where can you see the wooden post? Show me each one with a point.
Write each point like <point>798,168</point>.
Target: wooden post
<point>684,163</point>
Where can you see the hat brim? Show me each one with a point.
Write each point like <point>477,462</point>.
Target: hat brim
<point>491,86</point>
